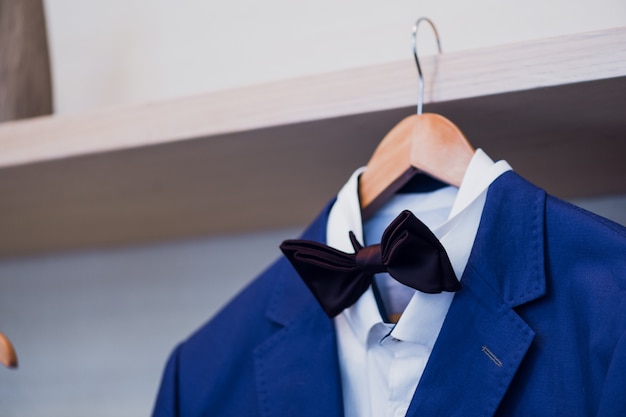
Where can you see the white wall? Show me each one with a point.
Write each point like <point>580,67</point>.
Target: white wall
<point>93,328</point>
<point>116,52</point>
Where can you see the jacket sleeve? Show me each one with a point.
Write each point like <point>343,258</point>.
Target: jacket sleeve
<point>166,404</point>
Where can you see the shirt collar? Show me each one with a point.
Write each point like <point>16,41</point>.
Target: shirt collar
<point>345,216</point>
<point>456,234</point>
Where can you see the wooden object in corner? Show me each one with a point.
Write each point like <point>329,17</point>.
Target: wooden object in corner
<point>8,357</point>
<point>25,81</point>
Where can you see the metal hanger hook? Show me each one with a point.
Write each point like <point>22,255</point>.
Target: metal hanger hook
<point>420,89</point>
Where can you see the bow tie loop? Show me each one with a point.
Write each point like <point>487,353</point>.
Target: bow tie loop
<point>408,251</point>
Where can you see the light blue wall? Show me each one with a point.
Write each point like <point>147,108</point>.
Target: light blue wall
<point>93,329</point>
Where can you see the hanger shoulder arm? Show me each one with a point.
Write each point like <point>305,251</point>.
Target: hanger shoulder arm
<point>390,161</point>
<point>440,149</point>
<point>427,143</point>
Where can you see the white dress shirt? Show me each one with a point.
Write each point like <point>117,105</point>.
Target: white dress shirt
<point>381,363</point>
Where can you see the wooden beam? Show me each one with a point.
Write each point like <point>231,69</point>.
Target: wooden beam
<point>566,137</point>
<point>455,76</point>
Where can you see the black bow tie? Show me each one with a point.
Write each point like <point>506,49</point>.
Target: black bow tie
<point>408,251</point>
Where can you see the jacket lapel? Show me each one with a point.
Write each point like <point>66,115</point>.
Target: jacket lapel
<point>483,340</point>
<point>480,347</point>
<point>297,368</point>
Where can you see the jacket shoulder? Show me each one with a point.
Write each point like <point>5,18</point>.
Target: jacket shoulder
<point>213,371</point>
<point>585,235</point>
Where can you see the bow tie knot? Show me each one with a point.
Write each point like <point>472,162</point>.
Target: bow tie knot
<point>408,251</point>
<point>368,259</point>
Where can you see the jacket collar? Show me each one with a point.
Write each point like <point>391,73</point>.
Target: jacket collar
<point>508,251</point>
<point>291,298</point>
<point>483,340</point>
<point>297,367</point>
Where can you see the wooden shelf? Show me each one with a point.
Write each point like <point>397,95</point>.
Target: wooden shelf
<point>271,155</point>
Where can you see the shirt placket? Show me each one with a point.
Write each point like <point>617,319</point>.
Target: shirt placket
<point>406,365</point>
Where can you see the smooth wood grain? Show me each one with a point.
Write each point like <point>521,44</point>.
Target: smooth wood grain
<point>454,76</point>
<point>427,142</point>
<point>8,357</point>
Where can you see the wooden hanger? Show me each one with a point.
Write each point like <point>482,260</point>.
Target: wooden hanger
<point>427,143</point>
<point>8,357</point>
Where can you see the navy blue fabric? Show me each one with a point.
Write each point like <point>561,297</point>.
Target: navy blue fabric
<point>536,330</point>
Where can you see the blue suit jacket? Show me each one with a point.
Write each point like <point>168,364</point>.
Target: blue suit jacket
<point>536,330</point>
